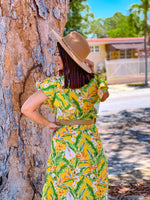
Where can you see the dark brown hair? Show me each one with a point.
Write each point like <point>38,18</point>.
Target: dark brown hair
<point>75,76</point>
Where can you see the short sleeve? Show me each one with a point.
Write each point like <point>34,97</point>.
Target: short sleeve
<point>49,87</point>
<point>102,84</point>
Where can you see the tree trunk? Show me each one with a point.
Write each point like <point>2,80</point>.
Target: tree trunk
<point>26,56</point>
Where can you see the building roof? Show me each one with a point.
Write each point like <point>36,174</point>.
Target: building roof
<point>123,46</point>
<point>115,40</point>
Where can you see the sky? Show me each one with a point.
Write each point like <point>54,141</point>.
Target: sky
<point>106,8</point>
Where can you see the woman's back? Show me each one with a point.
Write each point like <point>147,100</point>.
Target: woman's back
<point>72,104</point>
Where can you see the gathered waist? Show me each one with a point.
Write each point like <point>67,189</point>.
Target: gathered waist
<point>76,121</point>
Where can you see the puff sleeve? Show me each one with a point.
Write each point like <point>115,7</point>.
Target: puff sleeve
<point>102,85</point>
<point>49,87</point>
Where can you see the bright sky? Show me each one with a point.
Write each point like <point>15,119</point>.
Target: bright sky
<point>106,8</point>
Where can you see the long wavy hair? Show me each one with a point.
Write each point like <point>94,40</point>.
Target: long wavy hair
<point>75,76</point>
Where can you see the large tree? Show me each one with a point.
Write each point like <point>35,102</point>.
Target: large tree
<point>26,56</point>
<point>143,9</point>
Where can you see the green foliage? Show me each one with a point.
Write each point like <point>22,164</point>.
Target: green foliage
<point>83,21</point>
<point>76,18</point>
<point>123,26</point>
<point>142,9</point>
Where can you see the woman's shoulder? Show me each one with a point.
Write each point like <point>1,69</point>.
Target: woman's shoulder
<point>51,81</point>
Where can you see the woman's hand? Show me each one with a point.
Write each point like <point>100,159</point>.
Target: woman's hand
<point>53,126</point>
<point>105,96</point>
<point>90,64</point>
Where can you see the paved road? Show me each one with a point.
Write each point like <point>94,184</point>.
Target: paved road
<point>124,126</point>
<point>125,98</point>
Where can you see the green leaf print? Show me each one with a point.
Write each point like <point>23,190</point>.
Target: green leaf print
<point>71,179</point>
<point>86,87</point>
<point>75,91</point>
<point>53,150</point>
<point>103,197</point>
<point>78,139</point>
<point>81,147</point>
<point>69,134</point>
<point>68,92</point>
<point>81,194</point>
<point>62,187</point>
<point>71,146</point>
<point>69,163</point>
<point>61,141</point>
<point>79,185</point>
<point>61,169</point>
<point>77,105</point>
<point>92,146</point>
<point>93,129</point>
<point>66,98</point>
<point>87,114</point>
<point>67,106</point>
<point>46,191</point>
<point>101,168</point>
<point>78,128</point>
<point>63,197</point>
<point>59,100</point>
<point>91,192</point>
<point>59,157</point>
<point>91,155</point>
<point>47,89</point>
<point>77,160</point>
<point>54,191</point>
<point>88,198</point>
<point>102,185</point>
<point>99,156</point>
<point>72,193</point>
<point>89,101</point>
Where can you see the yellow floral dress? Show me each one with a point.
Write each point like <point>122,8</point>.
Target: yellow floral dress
<point>77,166</point>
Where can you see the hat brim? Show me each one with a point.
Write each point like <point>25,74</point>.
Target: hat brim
<point>83,65</point>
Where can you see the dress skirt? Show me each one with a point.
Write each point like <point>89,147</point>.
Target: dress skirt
<point>77,165</point>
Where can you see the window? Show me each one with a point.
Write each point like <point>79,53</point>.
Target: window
<point>122,54</point>
<point>92,49</point>
<point>129,53</point>
<point>95,49</point>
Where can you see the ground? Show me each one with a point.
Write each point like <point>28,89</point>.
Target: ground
<point>126,138</point>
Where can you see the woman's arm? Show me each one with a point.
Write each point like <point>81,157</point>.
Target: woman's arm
<point>30,106</point>
<point>105,96</point>
<point>91,65</point>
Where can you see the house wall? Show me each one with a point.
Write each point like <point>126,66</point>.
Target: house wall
<point>98,57</point>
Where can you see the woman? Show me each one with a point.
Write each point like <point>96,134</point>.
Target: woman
<point>77,165</point>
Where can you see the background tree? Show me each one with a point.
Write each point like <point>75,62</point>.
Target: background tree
<point>118,25</point>
<point>78,17</point>
<point>26,56</point>
<point>122,25</point>
<point>143,9</point>
<point>95,28</point>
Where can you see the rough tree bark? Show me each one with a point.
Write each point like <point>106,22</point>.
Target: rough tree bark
<point>26,56</point>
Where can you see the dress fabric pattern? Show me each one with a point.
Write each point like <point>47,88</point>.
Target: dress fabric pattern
<point>77,165</point>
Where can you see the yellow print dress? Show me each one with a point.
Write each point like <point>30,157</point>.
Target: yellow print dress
<point>77,166</point>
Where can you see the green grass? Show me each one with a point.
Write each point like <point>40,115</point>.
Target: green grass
<point>137,84</point>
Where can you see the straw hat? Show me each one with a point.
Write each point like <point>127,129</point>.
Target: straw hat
<point>76,46</point>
